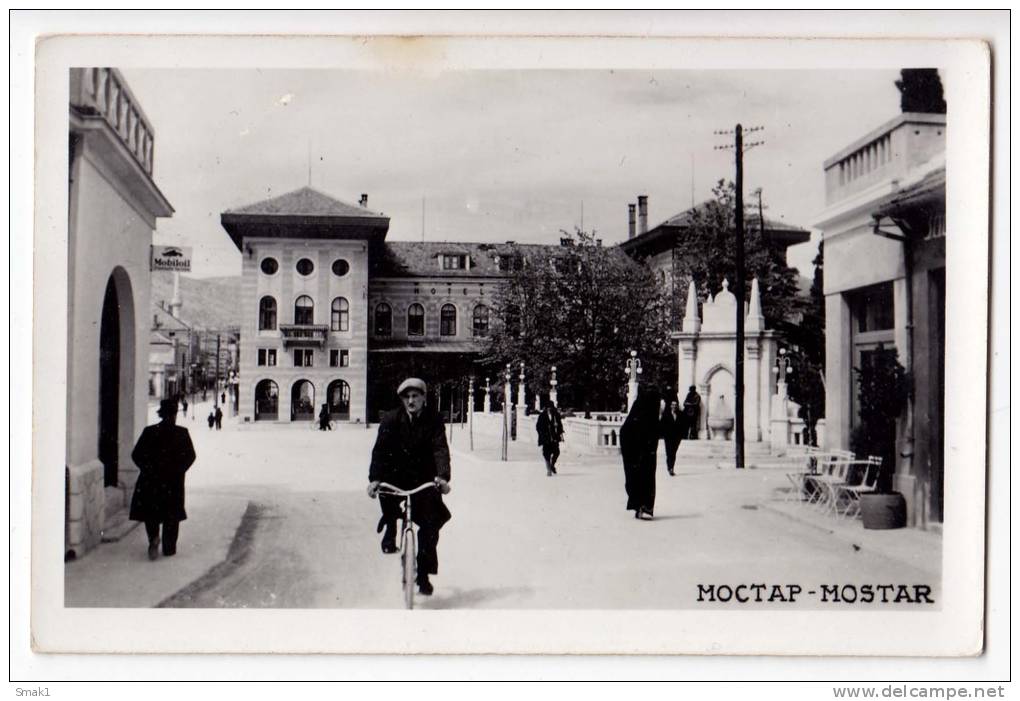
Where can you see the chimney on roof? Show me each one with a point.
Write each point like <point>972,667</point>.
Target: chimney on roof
<point>642,214</point>
<point>364,200</point>
<point>631,220</point>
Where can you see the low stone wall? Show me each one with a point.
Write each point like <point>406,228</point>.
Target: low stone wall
<point>86,510</point>
<point>600,434</point>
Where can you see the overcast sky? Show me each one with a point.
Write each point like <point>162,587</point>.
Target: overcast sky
<point>496,155</point>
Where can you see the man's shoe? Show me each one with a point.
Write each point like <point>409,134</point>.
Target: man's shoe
<point>154,548</point>
<point>425,586</point>
<point>389,545</point>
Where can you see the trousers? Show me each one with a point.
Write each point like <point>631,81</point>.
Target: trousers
<point>170,531</point>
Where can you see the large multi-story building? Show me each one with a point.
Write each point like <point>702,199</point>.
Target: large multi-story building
<point>884,236</point>
<point>335,315</point>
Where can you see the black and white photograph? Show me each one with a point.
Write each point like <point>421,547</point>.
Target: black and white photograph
<point>456,346</point>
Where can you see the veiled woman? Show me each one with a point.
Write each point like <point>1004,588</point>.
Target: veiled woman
<point>639,442</point>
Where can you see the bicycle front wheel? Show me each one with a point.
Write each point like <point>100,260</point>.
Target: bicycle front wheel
<point>409,566</point>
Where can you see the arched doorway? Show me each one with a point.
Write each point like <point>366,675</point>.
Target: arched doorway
<point>302,401</point>
<point>338,394</point>
<point>267,401</point>
<point>109,384</point>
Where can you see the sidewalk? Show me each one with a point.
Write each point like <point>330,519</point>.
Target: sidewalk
<point>921,549</point>
<point>122,572</point>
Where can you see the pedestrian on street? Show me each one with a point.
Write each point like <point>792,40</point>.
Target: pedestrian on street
<point>410,449</point>
<point>639,442</point>
<point>550,432</point>
<point>163,454</point>
<point>673,427</point>
<point>692,412</point>
<point>184,405</point>
<point>219,418</point>
<point>223,397</point>
<point>324,422</point>
<point>212,419</point>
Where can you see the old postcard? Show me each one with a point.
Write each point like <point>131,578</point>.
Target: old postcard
<point>481,345</point>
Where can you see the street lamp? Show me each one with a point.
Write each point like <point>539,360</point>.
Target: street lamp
<point>507,376</point>
<point>782,369</point>
<point>471,412</point>
<point>520,391</point>
<point>632,369</point>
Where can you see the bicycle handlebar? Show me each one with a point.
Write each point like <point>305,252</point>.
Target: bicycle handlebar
<point>387,488</point>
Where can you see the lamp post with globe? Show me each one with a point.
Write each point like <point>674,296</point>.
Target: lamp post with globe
<point>632,370</point>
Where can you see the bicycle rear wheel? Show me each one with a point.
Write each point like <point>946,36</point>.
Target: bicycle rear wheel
<point>408,563</point>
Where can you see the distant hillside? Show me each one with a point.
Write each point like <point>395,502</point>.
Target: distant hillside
<point>207,303</point>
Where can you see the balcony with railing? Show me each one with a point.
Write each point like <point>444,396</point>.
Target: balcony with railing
<point>304,335</point>
<point>885,154</point>
<point>103,92</point>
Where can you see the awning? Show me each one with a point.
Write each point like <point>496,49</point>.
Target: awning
<point>429,347</point>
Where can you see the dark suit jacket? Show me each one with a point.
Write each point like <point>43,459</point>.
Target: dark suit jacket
<point>163,454</point>
<point>407,455</point>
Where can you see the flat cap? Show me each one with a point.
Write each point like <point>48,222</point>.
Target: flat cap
<point>411,383</point>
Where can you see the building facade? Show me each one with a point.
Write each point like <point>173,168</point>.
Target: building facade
<point>884,237</point>
<point>113,206</point>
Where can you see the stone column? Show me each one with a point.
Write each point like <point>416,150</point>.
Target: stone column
<point>487,399</point>
<point>752,411</point>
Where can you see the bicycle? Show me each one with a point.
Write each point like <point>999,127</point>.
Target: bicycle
<point>408,556</point>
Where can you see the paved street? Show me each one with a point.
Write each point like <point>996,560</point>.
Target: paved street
<point>279,518</point>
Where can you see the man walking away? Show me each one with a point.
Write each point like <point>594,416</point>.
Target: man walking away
<point>219,418</point>
<point>550,433</point>
<point>163,454</point>
<point>410,450</point>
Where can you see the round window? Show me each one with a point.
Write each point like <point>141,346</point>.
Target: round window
<point>341,267</point>
<point>305,266</point>
<point>270,266</point>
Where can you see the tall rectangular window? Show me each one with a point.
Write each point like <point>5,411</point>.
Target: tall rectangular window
<point>303,357</point>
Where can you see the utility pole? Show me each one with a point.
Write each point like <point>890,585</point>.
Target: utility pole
<point>216,381</point>
<point>738,383</point>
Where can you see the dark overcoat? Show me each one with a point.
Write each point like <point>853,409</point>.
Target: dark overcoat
<point>549,428</point>
<point>673,428</point>
<point>639,442</point>
<point>163,454</point>
<point>408,454</point>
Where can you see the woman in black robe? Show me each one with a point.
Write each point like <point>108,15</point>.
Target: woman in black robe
<point>639,442</point>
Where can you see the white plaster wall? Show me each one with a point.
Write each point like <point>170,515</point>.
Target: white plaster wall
<point>108,233</point>
<point>857,257</point>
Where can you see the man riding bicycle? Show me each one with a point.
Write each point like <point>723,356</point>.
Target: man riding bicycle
<point>411,449</point>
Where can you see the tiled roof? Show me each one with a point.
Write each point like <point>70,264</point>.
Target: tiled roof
<point>421,258</point>
<point>305,202</point>
<point>751,219</point>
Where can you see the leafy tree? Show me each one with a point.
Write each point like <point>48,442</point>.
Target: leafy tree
<point>583,307</point>
<point>921,91</point>
<point>883,388</point>
<point>807,344</point>
<point>707,255</point>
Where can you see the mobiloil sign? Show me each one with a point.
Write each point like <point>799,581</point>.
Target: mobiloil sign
<point>176,258</point>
